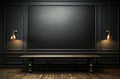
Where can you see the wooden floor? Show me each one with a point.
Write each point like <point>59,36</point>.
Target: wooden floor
<point>20,74</point>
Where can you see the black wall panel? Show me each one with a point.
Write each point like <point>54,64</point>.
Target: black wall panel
<point>61,27</point>
<point>110,19</point>
<point>108,59</point>
<point>13,20</point>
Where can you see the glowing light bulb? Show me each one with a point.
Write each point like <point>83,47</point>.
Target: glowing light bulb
<point>13,37</point>
<point>108,36</point>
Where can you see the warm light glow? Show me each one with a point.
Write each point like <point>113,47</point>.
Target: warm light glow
<point>108,36</point>
<point>108,44</point>
<point>15,44</point>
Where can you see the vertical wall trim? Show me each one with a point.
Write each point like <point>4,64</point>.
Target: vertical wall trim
<point>25,27</point>
<point>4,34</point>
<point>95,27</point>
<point>98,24</point>
<point>22,22</point>
<point>118,32</point>
<point>25,31</point>
<point>1,27</point>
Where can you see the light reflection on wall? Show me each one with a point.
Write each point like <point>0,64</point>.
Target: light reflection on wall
<point>15,44</point>
<point>108,45</point>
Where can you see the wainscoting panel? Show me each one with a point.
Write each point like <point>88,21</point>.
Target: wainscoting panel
<point>109,59</point>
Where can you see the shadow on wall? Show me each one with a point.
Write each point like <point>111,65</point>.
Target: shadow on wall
<point>15,44</point>
<point>107,45</point>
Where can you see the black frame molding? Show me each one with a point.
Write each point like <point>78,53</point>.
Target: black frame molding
<point>63,4</point>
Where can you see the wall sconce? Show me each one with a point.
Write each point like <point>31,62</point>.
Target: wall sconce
<point>108,35</point>
<point>13,36</point>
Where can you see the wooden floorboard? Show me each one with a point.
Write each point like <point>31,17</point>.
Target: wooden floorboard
<point>12,73</point>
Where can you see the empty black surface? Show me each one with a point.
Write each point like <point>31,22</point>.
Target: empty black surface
<point>61,27</point>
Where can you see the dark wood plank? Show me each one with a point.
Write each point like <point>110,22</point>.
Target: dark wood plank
<point>11,73</point>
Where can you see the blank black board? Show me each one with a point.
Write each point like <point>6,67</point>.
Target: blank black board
<point>61,27</point>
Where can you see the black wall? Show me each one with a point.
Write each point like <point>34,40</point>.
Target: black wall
<point>16,15</point>
<point>87,33</point>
